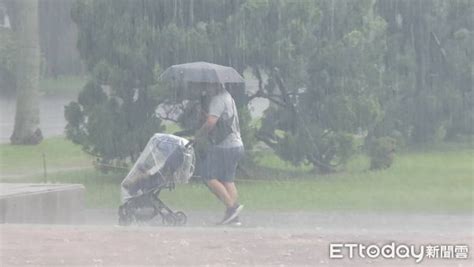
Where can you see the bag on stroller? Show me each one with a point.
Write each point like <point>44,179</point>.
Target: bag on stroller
<point>166,160</point>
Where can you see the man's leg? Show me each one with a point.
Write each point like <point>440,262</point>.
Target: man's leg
<point>231,191</point>
<point>221,192</point>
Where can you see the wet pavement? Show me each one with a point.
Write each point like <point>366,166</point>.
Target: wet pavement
<point>326,221</point>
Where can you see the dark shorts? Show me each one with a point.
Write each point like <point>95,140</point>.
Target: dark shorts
<point>221,163</point>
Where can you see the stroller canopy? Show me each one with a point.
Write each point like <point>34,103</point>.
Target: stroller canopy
<point>165,159</point>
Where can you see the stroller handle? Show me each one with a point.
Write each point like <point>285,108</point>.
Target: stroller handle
<point>189,144</point>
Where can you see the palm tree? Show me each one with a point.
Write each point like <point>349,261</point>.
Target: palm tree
<point>26,130</point>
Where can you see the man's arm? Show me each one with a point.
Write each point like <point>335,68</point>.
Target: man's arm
<point>216,108</point>
<point>208,125</point>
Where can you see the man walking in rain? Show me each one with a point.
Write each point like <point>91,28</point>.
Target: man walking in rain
<point>221,131</point>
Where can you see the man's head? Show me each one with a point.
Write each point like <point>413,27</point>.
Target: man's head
<point>212,89</point>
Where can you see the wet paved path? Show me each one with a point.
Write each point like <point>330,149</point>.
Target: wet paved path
<point>270,239</point>
<point>337,221</point>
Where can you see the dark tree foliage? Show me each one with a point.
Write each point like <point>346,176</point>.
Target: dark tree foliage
<point>429,65</point>
<point>382,153</point>
<point>115,113</point>
<point>323,62</point>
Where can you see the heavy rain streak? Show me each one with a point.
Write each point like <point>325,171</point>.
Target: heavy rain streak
<point>236,132</point>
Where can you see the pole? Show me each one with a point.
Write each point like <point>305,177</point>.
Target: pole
<point>45,172</point>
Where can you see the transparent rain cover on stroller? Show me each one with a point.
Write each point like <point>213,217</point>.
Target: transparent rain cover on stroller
<point>166,159</point>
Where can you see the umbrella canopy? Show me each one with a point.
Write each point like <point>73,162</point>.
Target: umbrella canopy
<point>201,72</point>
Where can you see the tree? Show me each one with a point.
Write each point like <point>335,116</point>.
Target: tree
<point>323,65</point>
<point>429,70</point>
<point>114,115</point>
<point>26,129</point>
<point>333,71</point>
<point>124,45</point>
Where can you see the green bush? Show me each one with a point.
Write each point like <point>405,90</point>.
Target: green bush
<point>109,127</point>
<point>382,153</point>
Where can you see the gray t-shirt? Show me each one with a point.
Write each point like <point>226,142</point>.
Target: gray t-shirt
<point>222,105</point>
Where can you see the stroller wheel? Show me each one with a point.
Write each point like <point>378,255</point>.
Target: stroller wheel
<point>169,219</point>
<point>125,219</point>
<point>181,218</point>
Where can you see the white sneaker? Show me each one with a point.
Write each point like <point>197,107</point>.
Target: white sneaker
<point>232,213</point>
<point>235,222</point>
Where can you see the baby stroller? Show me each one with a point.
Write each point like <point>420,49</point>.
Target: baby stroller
<point>166,160</point>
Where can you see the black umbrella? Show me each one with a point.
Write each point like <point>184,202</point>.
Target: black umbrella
<point>201,72</point>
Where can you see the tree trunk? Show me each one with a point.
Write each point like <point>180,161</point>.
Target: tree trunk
<point>26,130</point>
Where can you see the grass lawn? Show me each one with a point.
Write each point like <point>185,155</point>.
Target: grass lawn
<point>59,153</point>
<point>427,181</point>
